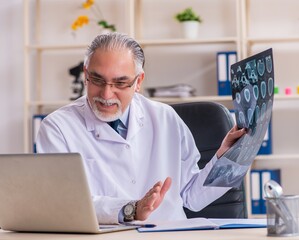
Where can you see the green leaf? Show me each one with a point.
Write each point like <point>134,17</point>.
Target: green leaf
<point>105,24</point>
<point>188,15</point>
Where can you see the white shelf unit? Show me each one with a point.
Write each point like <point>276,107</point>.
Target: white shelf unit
<point>135,11</point>
<point>284,39</point>
<point>161,42</point>
<point>242,41</point>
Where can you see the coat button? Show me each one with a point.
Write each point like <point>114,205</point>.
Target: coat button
<point>133,181</point>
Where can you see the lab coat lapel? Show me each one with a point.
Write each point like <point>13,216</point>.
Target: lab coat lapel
<point>107,133</point>
<point>136,119</point>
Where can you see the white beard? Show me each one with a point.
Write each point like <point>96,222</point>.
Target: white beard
<point>104,117</point>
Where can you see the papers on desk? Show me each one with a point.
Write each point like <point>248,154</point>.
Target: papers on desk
<point>205,224</point>
<point>224,223</point>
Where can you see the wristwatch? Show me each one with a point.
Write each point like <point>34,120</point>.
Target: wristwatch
<point>129,211</point>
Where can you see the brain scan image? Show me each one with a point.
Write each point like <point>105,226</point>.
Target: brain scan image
<point>252,93</point>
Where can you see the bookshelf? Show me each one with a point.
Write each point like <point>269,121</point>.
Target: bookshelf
<point>258,34</point>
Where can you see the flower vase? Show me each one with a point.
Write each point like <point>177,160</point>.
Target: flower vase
<point>105,31</point>
<point>190,29</point>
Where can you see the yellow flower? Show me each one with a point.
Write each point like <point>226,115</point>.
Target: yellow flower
<point>97,17</point>
<point>87,4</point>
<point>80,21</point>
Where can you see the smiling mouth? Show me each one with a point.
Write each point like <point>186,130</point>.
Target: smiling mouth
<point>106,110</point>
<point>107,104</point>
<point>109,107</point>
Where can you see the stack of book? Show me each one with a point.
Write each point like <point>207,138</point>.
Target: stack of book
<point>178,90</point>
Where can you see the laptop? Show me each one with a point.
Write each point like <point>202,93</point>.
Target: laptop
<point>47,193</point>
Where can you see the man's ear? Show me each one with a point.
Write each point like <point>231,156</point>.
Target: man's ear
<point>139,82</point>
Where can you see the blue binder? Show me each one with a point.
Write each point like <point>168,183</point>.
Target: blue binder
<point>255,191</point>
<point>266,147</point>
<point>36,121</point>
<point>258,178</point>
<point>224,61</point>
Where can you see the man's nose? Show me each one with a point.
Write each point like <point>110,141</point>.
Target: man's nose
<point>108,91</point>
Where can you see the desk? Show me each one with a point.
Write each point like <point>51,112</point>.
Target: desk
<point>227,234</point>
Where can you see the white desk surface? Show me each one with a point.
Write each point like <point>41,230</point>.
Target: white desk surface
<point>227,234</point>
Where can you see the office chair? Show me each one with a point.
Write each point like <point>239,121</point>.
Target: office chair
<point>209,122</point>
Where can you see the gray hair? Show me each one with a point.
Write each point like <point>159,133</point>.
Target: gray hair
<point>116,41</point>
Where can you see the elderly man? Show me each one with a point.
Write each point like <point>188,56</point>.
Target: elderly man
<point>130,144</point>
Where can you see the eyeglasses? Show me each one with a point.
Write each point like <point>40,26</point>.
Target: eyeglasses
<point>99,82</point>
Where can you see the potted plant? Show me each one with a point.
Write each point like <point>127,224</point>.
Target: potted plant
<point>190,21</point>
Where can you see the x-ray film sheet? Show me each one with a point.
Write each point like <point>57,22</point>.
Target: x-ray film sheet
<point>252,92</point>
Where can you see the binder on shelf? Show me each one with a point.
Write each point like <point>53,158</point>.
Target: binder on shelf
<point>266,147</point>
<point>258,178</point>
<point>36,122</point>
<point>255,191</point>
<point>224,61</point>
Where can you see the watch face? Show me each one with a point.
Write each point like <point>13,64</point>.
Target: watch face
<point>129,209</point>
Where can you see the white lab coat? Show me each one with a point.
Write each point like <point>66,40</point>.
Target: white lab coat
<point>158,145</point>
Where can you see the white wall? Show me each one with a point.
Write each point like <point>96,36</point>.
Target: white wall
<point>11,76</point>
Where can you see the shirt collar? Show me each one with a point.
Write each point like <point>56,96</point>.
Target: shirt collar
<point>125,117</point>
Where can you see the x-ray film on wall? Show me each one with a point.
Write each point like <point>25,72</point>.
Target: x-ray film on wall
<point>252,92</point>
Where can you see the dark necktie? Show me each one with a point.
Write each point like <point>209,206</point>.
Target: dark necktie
<point>114,124</point>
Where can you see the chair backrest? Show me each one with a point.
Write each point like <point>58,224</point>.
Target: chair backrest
<point>209,122</point>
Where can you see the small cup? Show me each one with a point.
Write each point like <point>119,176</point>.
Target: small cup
<point>283,215</point>
<point>288,91</point>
